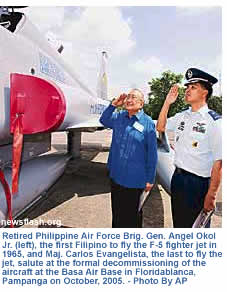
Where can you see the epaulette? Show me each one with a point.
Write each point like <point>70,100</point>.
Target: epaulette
<point>215,116</point>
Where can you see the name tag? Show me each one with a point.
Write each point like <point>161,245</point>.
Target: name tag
<point>138,127</point>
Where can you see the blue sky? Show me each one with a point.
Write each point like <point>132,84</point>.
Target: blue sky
<point>141,42</point>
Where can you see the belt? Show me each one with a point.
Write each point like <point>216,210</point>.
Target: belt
<point>182,171</point>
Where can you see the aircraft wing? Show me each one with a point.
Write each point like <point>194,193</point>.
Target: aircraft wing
<point>165,166</point>
<point>91,123</point>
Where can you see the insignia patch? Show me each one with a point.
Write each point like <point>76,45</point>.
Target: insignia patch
<point>214,115</point>
<point>200,128</point>
<point>194,144</point>
<point>181,126</point>
<point>189,74</point>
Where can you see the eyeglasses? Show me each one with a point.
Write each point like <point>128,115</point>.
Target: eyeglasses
<point>133,97</point>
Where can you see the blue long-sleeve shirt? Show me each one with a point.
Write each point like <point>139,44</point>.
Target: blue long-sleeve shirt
<point>133,154</point>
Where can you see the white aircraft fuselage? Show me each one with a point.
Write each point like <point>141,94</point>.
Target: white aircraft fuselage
<point>27,52</point>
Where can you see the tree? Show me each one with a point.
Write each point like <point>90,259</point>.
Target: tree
<point>215,103</point>
<point>159,88</point>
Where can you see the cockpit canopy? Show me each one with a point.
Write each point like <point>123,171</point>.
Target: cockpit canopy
<point>9,19</point>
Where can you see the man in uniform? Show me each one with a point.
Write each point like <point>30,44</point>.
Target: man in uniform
<point>198,149</point>
<point>132,158</point>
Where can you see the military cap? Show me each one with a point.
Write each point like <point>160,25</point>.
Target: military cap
<point>194,75</point>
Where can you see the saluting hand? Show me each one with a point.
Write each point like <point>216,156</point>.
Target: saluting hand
<point>172,95</point>
<point>120,100</point>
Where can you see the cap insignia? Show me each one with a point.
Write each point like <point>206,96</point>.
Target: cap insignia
<point>189,74</point>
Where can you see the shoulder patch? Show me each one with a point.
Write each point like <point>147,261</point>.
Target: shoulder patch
<point>215,116</point>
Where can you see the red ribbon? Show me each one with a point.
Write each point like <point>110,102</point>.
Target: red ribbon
<point>8,196</point>
<point>17,149</point>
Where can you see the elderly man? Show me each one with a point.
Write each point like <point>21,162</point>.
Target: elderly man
<point>198,149</point>
<point>132,158</point>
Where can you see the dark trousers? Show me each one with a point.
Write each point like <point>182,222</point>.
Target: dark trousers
<point>187,197</point>
<point>125,203</point>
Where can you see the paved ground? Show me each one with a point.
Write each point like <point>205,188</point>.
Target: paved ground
<point>81,197</point>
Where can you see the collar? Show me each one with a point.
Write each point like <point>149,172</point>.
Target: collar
<point>138,115</point>
<point>202,111</point>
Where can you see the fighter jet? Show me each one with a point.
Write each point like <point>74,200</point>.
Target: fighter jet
<point>39,94</point>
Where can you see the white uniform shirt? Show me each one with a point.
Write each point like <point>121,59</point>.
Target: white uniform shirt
<point>198,140</point>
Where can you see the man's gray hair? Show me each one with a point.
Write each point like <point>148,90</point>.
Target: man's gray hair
<point>141,93</point>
